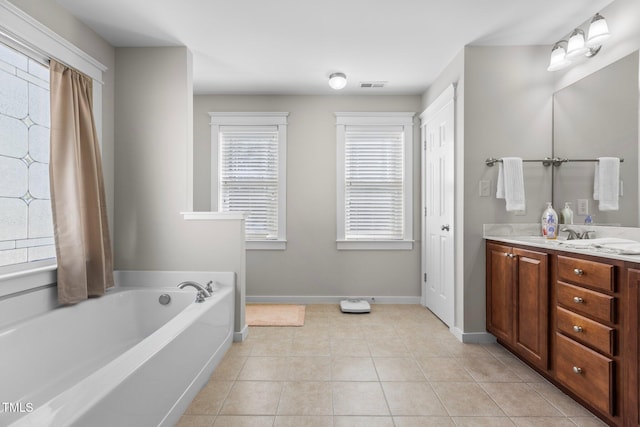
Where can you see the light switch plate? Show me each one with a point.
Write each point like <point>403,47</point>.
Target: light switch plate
<point>583,206</point>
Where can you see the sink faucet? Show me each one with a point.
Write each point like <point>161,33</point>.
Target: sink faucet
<point>576,235</point>
<point>202,292</point>
<point>573,234</point>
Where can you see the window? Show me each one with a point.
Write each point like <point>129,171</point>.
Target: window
<point>249,150</point>
<point>26,227</point>
<point>374,206</point>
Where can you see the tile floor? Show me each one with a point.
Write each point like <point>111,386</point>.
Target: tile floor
<point>397,366</point>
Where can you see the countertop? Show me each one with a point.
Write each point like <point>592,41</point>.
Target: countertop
<point>529,235</point>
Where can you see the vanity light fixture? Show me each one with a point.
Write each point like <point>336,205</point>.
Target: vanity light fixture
<point>337,81</point>
<point>598,31</point>
<point>577,46</point>
<point>558,57</point>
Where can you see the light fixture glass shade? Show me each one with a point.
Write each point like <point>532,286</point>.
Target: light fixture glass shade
<point>558,58</point>
<point>337,81</point>
<point>576,47</point>
<point>598,31</point>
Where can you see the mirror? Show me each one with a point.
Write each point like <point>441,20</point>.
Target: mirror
<point>598,117</point>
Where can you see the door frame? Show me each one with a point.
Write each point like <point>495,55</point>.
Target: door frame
<point>447,96</point>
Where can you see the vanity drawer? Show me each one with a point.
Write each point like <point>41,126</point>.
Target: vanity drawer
<point>594,304</point>
<point>587,373</point>
<point>594,334</point>
<point>589,273</point>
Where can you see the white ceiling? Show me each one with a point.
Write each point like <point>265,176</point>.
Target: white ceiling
<point>291,46</point>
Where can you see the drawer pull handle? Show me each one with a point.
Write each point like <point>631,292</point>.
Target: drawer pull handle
<point>578,300</point>
<point>577,370</point>
<point>577,328</point>
<point>578,271</point>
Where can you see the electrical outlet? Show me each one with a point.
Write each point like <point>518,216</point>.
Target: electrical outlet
<point>484,189</point>
<point>583,206</point>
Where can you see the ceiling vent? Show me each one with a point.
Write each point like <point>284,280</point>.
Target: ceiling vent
<point>371,85</point>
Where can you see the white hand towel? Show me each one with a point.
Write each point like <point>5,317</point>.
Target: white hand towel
<point>511,183</point>
<point>606,183</point>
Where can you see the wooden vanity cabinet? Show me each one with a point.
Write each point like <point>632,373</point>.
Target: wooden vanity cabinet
<point>575,318</point>
<point>517,301</point>
<point>586,332</point>
<point>632,347</point>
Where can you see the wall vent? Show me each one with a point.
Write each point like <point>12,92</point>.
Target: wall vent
<point>371,85</point>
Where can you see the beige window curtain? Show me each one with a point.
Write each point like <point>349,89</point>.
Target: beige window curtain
<point>83,247</point>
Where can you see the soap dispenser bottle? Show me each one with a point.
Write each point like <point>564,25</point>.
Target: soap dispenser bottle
<point>567,213</point>
<point>550,222</point>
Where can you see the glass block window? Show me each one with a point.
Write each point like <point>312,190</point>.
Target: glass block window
<point>26,227</point>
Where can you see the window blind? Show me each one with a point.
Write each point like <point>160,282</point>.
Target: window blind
<point>374,183</point>
<point>249,177</point>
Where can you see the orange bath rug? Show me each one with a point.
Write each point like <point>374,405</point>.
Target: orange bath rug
<point>274,315</point>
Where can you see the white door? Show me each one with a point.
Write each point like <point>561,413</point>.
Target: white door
<point>438,207</point>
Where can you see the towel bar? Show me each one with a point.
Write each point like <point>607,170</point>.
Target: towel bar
<point>547,161</point>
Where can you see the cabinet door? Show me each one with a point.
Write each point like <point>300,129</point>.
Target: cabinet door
<point>632,352</point>
<point>531,329</point>
<point>500,278</point>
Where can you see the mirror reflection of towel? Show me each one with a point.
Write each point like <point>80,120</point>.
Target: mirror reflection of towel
<point>511,183</point>
<point>606,183</point>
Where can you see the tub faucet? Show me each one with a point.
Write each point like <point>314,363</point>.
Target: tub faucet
<point>202,292</point>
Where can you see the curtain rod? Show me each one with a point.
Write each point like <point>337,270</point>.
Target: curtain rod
<point>35,54</point>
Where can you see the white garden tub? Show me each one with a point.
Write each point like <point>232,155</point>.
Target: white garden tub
<point>120,360</point>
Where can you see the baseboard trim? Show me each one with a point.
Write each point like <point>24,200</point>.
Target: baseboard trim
<point>293,299</point>
<point>472,337</point>
<point>242,335</point>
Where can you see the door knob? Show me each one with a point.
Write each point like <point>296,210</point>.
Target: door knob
<point>445,227</point>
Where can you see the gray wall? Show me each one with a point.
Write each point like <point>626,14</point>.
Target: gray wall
<point>152,129</point>
<point>508,112</point>
<point>311,265</point>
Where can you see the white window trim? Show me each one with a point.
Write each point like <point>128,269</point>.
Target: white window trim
<point>20,30</point>
<point>254,119</point>
<point>404,119</point>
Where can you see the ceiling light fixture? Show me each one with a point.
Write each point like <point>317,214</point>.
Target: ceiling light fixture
<point>577,46</point>
<point>337,81</point>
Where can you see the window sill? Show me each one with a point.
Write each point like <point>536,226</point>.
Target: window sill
<point>266,245</point>
<point>375,245</point>
<point>24,277</point>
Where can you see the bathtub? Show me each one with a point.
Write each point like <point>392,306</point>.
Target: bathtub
<point>120,360</point>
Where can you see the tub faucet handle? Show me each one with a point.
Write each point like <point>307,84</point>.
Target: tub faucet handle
<point>209,286</point>
<point>201,296</point>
